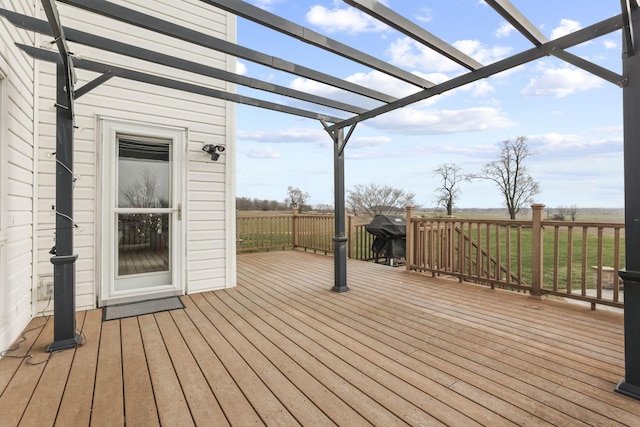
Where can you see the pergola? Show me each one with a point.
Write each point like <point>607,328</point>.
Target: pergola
<point>340,129</point>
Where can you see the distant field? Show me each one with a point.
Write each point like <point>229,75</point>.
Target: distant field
<point>586,214</point>
<point>590,215</point>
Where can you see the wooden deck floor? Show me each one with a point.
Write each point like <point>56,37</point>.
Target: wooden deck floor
<point>281,349</point>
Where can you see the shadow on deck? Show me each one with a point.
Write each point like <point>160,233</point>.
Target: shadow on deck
<point>281,348</point>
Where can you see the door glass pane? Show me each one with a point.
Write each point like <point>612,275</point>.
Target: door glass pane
<point>143,243</point>
<point>144,184</point>
<point>144,174</point>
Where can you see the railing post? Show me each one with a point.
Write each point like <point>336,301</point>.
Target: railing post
<point>536,249</point>
<point>409,252</point>
<point>294,227</point>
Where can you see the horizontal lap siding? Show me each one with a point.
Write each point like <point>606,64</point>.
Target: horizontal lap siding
<point>16,246</point>
<point>205,119</point>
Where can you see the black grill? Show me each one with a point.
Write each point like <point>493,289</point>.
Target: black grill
<point>390,240</point>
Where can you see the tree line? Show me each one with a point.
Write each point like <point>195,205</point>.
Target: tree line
<point>508,172</point>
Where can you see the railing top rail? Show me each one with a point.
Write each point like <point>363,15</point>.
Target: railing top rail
<point>597,224</point>
<point>263,216</point>
<point>472,220</point>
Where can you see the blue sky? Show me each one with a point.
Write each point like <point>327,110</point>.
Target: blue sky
<point>573,120</point>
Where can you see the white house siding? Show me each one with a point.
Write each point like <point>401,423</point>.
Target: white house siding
<point>17,166</point>
<point>209,253</point>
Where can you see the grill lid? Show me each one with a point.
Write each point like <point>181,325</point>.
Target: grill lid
<point>388,226</point>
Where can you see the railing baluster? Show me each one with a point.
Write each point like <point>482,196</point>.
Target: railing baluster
<point>600,265</point>
<point>570,260</point>
<point>583,283</point>
<point>556,256</point>
<point>508,252</point>
<point>497,267</point>
<point>616,264</point>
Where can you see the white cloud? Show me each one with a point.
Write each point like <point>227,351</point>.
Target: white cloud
<point>349,20</point>
<point>595,140</point>
<point>480,52</point>
<point>406,52</point>
<point>560,82</point>
<point>379,81</point>
<point>241,68</point>
<point>384,83</point>
<point>479,88</point>
<point>313,87</point>
<point>566,26</point>
<point>265,4</point>
<point>610,44</point>
<point>504,30</point>
<point>260,153</point>
<point>424,14</point>
<point>368,141</point>
<point>436,122</point>
<point>284,135</point>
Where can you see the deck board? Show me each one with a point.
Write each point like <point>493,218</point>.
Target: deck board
<point>76,405</point>
<point>139,401</point>
<point>108,400</point>
<point>170,399</point>
<point>271,410</point>
<point>19,350</point>
<point>285,354</point>
<point>45,401</point>
<point>14,400</point>
<point>202,403</point>
<point>229,396</point>
<point>281,349</point>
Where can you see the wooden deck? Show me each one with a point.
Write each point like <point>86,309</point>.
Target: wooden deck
<point>281,349</point>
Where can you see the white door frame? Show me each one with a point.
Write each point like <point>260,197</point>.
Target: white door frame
<point>107,246</point>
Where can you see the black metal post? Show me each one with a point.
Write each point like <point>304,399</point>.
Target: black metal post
<point>340,238</point>
<point>630,384</point>
<point>64,293</point>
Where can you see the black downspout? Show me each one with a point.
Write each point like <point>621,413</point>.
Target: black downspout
<point>630,384</point>
<point>340,238</point>
<point>64,304</point>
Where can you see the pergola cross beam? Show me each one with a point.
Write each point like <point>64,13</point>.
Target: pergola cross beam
<point>108,45</point>
<point>179,32</point>
<point>153,79</point>
<point>585,34</point>
<point>416,32</point>
<point>306,35</point>
<point>525,27</point>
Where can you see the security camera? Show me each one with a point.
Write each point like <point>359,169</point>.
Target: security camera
<point>213,150</point>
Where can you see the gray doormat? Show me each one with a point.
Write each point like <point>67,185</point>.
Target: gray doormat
<point>120,311</point>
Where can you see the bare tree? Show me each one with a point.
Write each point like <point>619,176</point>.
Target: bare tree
<point>296,198</point>
<point>450,176</point>
<point>142,193</point>
<point>374,199</point>
<point>511,176</point>
<point>561,213</point>
<point>573,212</point>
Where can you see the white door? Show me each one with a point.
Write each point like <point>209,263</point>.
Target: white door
<point>141,212</point>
